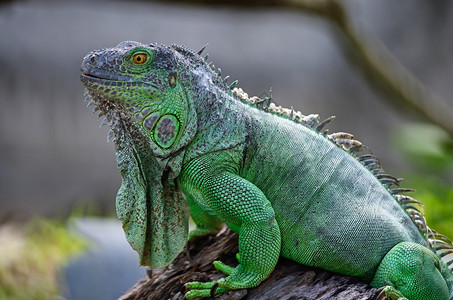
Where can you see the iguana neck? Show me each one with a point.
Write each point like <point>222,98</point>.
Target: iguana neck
<point>218,113</point>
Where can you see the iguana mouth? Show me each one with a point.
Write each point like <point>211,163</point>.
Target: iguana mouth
<point>92,76</point>
<point>112,82</point>
<point>95,74</point>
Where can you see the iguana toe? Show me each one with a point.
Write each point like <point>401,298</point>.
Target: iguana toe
<point>225,269</point>
<point>196,289</point>
<point>389,292</point>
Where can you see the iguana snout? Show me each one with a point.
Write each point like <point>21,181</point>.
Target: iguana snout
<point>126,75</point>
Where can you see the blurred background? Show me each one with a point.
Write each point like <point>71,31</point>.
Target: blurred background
<point>58,176</point>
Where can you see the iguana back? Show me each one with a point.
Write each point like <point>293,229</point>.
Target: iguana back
<point>332,211</point>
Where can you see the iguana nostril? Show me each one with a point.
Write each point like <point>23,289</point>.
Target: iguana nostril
<point>92,59</point>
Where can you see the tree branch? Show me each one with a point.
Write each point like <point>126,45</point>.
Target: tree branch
<point>289,280</point>
<point>381,69</point>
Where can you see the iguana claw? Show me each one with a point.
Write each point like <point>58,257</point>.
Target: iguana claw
<point>196,289</point>
<point>236,279</point>
<point>214,288</point>
<point>381,295</point>
<point>202,289</point>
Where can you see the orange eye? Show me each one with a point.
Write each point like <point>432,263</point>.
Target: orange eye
<point>140,58</point>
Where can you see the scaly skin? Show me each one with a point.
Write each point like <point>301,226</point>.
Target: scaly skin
<point>284,187</point>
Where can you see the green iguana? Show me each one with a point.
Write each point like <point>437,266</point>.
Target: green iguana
<point>185,139</point>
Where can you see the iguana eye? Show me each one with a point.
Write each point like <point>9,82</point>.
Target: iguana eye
<point>140,58</point>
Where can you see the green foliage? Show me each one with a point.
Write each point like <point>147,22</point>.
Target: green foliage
<point>429,150</point>
<point>437,198</point>
<point>31,257</point>
<point>427,147</point>
<point>90,207</point>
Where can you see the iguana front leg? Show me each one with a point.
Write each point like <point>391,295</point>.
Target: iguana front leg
<point>246,210</point>
<point>207,224</point>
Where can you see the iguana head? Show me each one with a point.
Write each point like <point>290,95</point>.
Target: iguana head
<point>143,83</point>
<point>138,88</point>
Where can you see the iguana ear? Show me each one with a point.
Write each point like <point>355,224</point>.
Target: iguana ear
<point>153,212</point>
<point>176,125</point>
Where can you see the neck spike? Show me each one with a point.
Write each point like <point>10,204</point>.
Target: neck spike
<point>226,79</point>
<point>202,49</point>
<point>233,84</point>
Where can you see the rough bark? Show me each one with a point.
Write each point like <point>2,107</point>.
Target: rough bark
<point>288,281</point>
